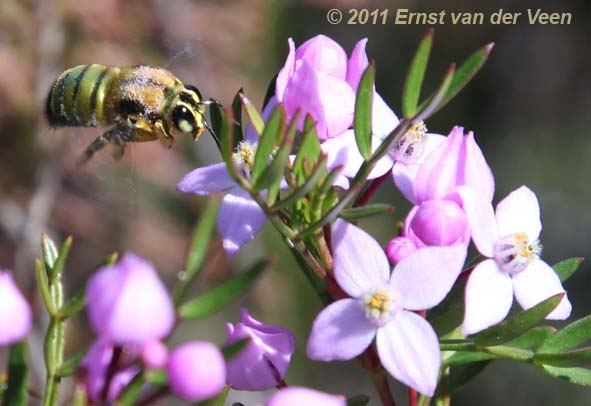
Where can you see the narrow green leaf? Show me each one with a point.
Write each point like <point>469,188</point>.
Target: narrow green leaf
<point>232,350</point>
<point>465,375</point>
<point>110,260</point>
<point>60,260</point>
<point>42,282</point>
<point>564,269</point>
<point>569,337</point>
<point>198,250</point>
<point>226,148</point>
<point>358,400</point>
<point>311,182</point>
<point>17,384</point>
<point>466,72</point>
<point>49,252</point>
<point>270,93</point>
<point>575,358</point>
<point>532,338</point>
<point>518,324</point>
<point>363,112</point>
<point>68,368</point>
<point>132,391</point>
<point>467,357</point>
<point>504,351</point>
<point>253,115</point>
<point>579,376</point>
<point>310,146</point>
<point>218,297</point>
<point>273,173</point>
<point>219,400</point>
<point>215,118</point>
<point>237,132</point>
<point>274,131</point>
<point>74,304</point>
<point>415,75</point>
<point>156,377</point>
<point>357,213</point>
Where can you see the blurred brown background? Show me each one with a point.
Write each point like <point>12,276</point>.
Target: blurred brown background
<point>529,108</point>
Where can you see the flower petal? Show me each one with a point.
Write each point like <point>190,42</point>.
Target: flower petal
<point>286,72</point>
<point>207,180</point>
<point>360,264</point>
<point>298,396</point>
<point>537,283</point>
<point>423,278</point>
<point>302,94</point>
<point>342,151</point>
<point>239,219</point>
<point>357,64</point>
<point>488,297</point>
<point>324,55</point>
<point>481,218</point>
<point>16,317</point>
<point>405,174</point>
<point>383,119</point>
<point>338,100</point>
<point>519,212</point>
<point>340,332</point>
<point>477,174</point>
<point>409,349</point>
<point>251,135</point>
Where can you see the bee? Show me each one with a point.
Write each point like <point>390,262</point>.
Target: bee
<point>141,103</point>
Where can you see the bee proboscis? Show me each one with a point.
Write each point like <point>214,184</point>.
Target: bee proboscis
<point>141,103</point>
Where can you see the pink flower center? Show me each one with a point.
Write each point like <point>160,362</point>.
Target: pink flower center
<point>380,307</point>
<point>515,252</point>
<point>409,147</point>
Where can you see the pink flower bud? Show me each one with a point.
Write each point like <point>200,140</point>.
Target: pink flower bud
<point>128,303</point>
<point>317,79</point>
<point>439,223</point>
<point>399,248</point>
<point>196,371</point>
<point>264,361</point>
<point>15,312</point>
<point>297,396</point>
<point>155,354</point>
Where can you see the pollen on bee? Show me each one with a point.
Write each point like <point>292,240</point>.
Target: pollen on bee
<point>244,155</point>
<point>409,147</point>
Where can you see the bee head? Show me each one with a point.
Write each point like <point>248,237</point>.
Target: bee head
<point>187,115</point>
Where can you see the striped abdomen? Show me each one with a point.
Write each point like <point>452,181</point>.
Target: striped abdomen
<point>77,97</point>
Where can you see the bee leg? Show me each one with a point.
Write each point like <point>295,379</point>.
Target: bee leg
<point>115,135</point>
<point>166,139</point>
<point>118,148</point>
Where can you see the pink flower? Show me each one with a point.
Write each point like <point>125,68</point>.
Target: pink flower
<point>381,306</point>
<point>95,368</point>
<point>264,361</point>
<point>437,223</point>
<point>399,248</point>
<point>510,242</point>
<point>298,396</point>
<point>154,354</point>
<point>15,312</point>
<point>317,79</point>
<point>196,371</point>
<point>128,303</point>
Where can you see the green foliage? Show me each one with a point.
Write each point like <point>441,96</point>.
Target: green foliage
<point>16,393</point>
<point>566,268</point>
<point>415,75</point>
<point>363,112</point>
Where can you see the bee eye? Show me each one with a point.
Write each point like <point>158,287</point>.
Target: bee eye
<point>183,119</point>
<point>194,89</point>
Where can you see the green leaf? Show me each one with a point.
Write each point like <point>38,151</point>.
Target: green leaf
<point>569,337</point>
<point>575,358</point>
<point>466,72</point>
<point>43,284</point>
<point>518,324</point>
<point>504,351</point>
<point>358,400</point>
<point>357,213</point>
<point>465,375</point>
<point>467,357</point>
<point>226,147</point>
<point>433,104</point>
<point>310,146</point>
<point>68,368</point>
<point>58,266</point>
<point>232,350</point>
<point>49,252</point>
<point>219,400</point>
<point>237,133</point>
<point>363,112</point>
<point>448,315</point>
<point>198,250</point>
<point>218,297</point>
<point>132,391</point>
<point>215,118</point>
<point>253,115</point>
<point>311,182</point>
<point>74,304</point>
<point>579,376</point>
<point>157,377</point>
<point>564,269</point>
<point>532,338</point>
<point>110,260</point>
<point>415,75</point>
<point>273,173</point>
<point>272,135</point>
<point>270,93</point>
<point>17,383</point>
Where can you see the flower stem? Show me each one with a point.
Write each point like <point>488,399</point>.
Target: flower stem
<point>380,381</point>
<point>412,397</point>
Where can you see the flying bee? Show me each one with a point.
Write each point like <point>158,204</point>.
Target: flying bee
<point>142,103</point>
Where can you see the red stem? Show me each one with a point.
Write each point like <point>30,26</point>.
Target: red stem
<point>372,188</point>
